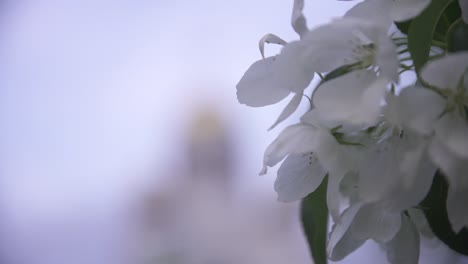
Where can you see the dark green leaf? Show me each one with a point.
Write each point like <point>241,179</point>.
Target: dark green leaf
<point>314,217</point>
<point>422,31</point>
<point>435,209</point>
<point>403,26</point>
<point>457,36</point>
<point>451,14</point>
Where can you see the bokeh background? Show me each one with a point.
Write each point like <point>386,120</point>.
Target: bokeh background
<point>122,141</point>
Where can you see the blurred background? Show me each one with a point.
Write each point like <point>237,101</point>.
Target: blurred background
<point>122,141</point>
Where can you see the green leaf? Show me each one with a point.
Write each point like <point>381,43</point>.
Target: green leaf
<point>457,36</point>
<point>422,31</point>
<point>314,217</point>
<point>404,26</point>
<point>450,15</point>
<point>453,12</point>
<point>435,209</point>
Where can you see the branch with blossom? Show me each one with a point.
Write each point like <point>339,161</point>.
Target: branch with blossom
<point>386,162</point>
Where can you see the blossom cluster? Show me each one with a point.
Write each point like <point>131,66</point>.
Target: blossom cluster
<point>379,144</point>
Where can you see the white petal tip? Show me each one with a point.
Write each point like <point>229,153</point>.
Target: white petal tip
<point>263,171</point>
<point>280,200</point>
<point>269,38</point>
<point>457,227</point>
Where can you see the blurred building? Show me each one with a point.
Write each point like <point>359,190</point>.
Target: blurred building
<point>197,220</point>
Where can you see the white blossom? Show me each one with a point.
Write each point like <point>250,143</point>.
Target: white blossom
<point>272,79</point>
<point>299,175</point>
<point>385,11</point>
<point>350,40</point>
<point>449,147</point>
<point>383,221</point>
<point>320,153</point>
<point>440,120</point>
<point>352,100</point>
<point>379,148</point>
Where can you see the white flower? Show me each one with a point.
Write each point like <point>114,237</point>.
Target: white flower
<point>258,86</point>
<point>296,139</point>
<point>392,229</point>
<point>384,12</point>
<point>442,118</point>
<point>272,79</point>
<point>404,247</point>
<point>379,192</point>
<point>454,168</point>
<point>352,100</point>
<point>445,146</point>
<point>312,152</point>
<point>342,42</point>
<point>415,109</point>
<point>383,221</point>
<point>449,148</point>
<point>399,150</point>
<point>299,175</point>
<point>349,41</point>
<point>298,20</point>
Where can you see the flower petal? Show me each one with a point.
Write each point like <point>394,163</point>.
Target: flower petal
<point>420,221</point>
<point>258,86</point>
<point>295,139</point>
<point>415,108</point>
<point>445,73</point>
<point>317,117</point>
<point>373,10</point>
<point>387,56</point>
<point>288,110</point>
<point>333,195</point>
<point>404,197</point>
<point>403,10</point>
<point>378,175</point>
<point>337,159</point>
<point>404,247</point>
<point>269,38</point>
<point>417,167</point>
<point>328,46</point>
<point>347,41</point>
<point>452,129</point>
<point>347,245</point>
<point>411,160</point>
<point>453,167</point>
<point>293,73</point>
<point>376,222</point>
<point>354,98</point>
<point>342,242</point>
<point>298,20</point>
<point>299,175</point>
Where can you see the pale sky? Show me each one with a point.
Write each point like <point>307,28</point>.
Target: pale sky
<point>95,90</point>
